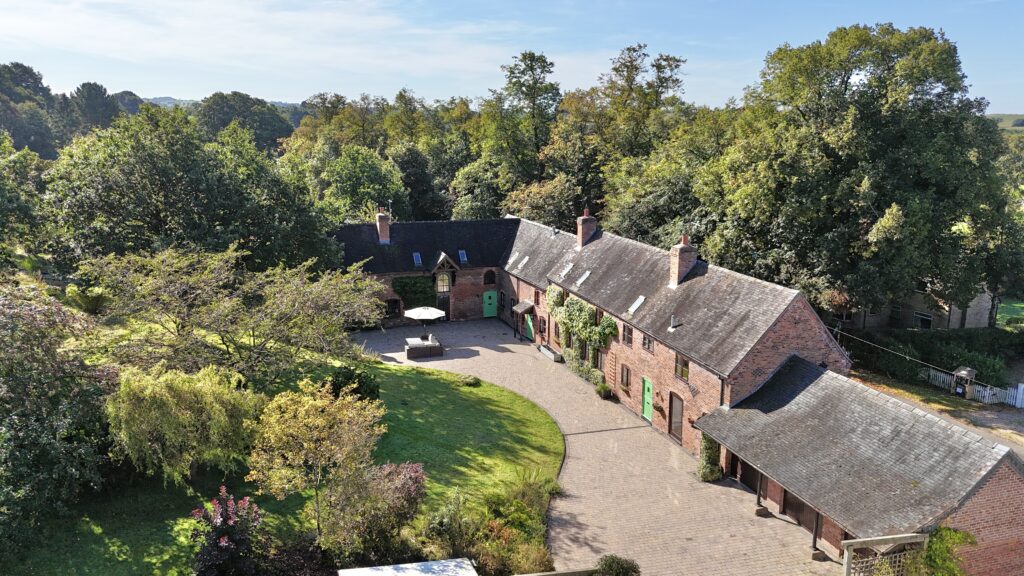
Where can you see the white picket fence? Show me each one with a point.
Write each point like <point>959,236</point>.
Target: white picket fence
<point>1013,395</point>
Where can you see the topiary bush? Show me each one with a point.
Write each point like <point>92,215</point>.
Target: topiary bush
<point>709,469</point>
<point>612,565</point>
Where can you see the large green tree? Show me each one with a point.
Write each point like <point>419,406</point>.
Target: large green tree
<point>150,181</point>
<point>859,167</point>
<point>267,123</point>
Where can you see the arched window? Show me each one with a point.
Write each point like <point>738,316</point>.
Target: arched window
<point>489,277</point>
<point>444,282</point>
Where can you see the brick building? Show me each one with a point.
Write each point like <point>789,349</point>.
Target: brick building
<point>692,339</point>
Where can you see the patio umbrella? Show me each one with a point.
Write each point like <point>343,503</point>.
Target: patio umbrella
<point>423,314</point>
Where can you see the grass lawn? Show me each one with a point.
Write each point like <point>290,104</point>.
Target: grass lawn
<point>467,438</point>
<point>934,397</point>
<point>1009,308</point>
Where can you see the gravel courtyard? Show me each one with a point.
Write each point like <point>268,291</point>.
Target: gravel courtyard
<point>629,490</point>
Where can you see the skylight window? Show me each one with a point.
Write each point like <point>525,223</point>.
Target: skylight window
<point>583,278</point>
<point>636,303</point>
<point>566,269</point>
<point>512,258</point>
<point>416,259</point>
<point>462,257</point>
<point>523,263</point>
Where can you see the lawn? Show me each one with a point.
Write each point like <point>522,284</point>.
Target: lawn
<point>1009,308</point>
<point>932,396</point>
<point>1006,121</point>
<point>470,438</point>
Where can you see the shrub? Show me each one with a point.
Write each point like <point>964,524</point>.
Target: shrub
<point>709,469</point>
<point>531,558</point>
<point>450,530</point>
<point>941,557</point>
<point>349,374</point>
<point>89,300</point>
<point>612,565</point>
<point>228,536</point>
<point>604,391</point>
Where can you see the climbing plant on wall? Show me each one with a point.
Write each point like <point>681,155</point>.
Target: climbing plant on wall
<point>415,291</point>
<point>709,468</point>
<point>577,320</point>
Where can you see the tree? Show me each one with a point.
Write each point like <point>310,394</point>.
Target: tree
<point>228,538</point>
<point>636,90</point>
<point>424,201</point>
<point>478,190</point>
<point>25,105</point>
<point>859,167</point>
<point>95,107</point>
<point>535,97</point>
<point>356,182</point>
<point>129,102</point>
<point>149,181</point>
<point>311,438</point>
<point>170,423</point>
<point>205,308</point>
<point>556,202</point>
<point>50,414</point>
<point>219,110</point>
<point>19,175</point>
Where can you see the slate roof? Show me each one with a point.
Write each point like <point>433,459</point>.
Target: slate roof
<point>720,314</point>
<point>874,464</point>
<point>485,243</point>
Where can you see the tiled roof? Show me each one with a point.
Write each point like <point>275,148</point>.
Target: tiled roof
<point>484,242</point>
<point>719,314</point>
<point>874,464</point>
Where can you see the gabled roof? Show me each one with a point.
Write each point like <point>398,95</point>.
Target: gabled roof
<point>874,464</point>
<point>720,314</point>
<point>484,241</point>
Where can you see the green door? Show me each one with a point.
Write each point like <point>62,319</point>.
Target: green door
<point>529,326</point>
<point>648,406</point>
<point>490,304</point>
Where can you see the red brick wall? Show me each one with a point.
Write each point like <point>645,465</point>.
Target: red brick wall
<point>466,298</point>
<point>798,330</point>
<point>994,514</point>
<point>830,537</point>
<point>522,290</point>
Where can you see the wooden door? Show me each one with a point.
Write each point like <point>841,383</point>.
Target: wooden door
<point>490,303</point>
<point>648,400</point>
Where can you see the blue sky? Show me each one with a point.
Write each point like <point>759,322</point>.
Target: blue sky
<point>282,50</point>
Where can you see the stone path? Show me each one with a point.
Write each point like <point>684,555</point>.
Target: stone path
<point>629,490</point>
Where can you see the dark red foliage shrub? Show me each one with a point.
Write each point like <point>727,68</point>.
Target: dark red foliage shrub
<point>228,537</point>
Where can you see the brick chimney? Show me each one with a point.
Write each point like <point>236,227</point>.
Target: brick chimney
<point>682,257</point>
<point>383,226</point>
<point>586,225</point>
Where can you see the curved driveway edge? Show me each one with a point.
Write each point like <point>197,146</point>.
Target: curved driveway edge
<point>629,490</point>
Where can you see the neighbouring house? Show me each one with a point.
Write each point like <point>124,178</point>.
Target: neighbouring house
<point>846,461</point>
<point>924,311</point>
<point>694,341</point>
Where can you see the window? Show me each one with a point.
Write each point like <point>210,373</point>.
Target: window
<point>627,335</point>
<point>462,257</point>
<point>394,307</point>
<point>566,270</point>
<point>583,278</point>
<point>557,335</point>
<point>523,263</point>
<point>568,339</point>
<point>598,314</point>
<point>599,360</point>
<point>648,343</point>
<point>682,367</point>
<point>624,377</point>
<point>636,304</point>
<point>923,320</point>
<point>501,301</point>
<point>584,350</point>
<point>489,277</point>
<point>896,312</point>
<point>444,283</point>
<point>416,259</point>
<point>543,322</point>
<point>536,297</point>
<point>675,417</point>
<point>512,303</point>
<point>922,287</point>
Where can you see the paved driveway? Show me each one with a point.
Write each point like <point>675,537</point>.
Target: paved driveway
<point>629,490</point>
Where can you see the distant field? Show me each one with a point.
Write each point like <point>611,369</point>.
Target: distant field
<point>1006,121</point>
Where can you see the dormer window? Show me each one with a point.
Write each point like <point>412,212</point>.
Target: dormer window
<point>462,257</point>
<point>417,260</point>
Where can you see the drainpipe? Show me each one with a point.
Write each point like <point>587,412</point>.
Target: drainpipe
<point>814,533</point>
<point>721,391</point>
<point>760,477</point>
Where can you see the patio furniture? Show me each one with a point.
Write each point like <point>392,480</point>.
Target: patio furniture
<point>423,347</point>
